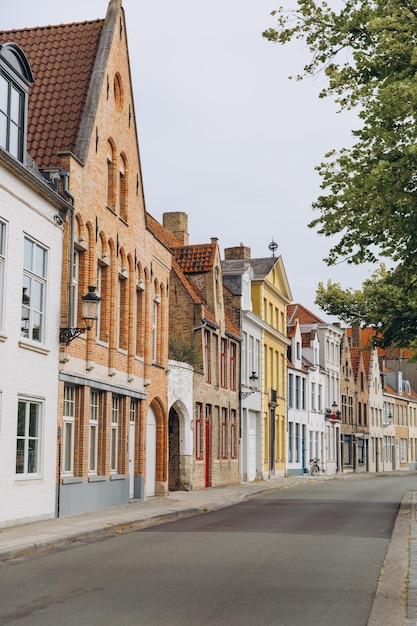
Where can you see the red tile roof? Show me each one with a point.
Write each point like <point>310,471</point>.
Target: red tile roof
<point>62,60</point>
<point>304,316</point>
<point>195,259</point>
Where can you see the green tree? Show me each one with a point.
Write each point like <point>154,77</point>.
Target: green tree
<point>387,302</point>
<point>367,49</point>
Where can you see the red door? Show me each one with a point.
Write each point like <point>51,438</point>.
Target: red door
<point>208,483</point>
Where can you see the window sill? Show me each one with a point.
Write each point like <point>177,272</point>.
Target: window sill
<point>33,347</point>
<point>69,480</point>
<point>96,478</point>
<point>27,477</point>
<point>117,477</point>
<point>3,337</point>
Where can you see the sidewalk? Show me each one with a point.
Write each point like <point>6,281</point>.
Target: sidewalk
<point>19,540</point>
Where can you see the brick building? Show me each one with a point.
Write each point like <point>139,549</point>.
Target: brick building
<point>203,328</point>
<point>113,377</point>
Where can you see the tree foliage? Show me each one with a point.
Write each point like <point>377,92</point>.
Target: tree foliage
<point>387,302</point>
<point>368,51</point>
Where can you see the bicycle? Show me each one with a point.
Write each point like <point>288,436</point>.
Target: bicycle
<point>314,467</point>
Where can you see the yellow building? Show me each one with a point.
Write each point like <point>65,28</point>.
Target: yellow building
<point>270,296</point>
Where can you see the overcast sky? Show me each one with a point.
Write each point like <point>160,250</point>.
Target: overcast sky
<point>223,134</point>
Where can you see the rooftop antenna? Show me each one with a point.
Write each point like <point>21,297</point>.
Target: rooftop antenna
<point>273,246</point>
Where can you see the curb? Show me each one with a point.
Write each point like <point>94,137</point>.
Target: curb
<point>388,606</point>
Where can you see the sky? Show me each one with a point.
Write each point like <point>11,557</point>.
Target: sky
<point>224,135</point>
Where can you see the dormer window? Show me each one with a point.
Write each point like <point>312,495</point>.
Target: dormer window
<point>15,78</point>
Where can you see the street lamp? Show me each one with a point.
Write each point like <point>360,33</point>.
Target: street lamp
<point>89,309</point>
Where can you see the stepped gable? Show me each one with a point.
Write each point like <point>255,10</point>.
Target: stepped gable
<point>62,60</point>
<point>195,259</point>
<point>304,316</point>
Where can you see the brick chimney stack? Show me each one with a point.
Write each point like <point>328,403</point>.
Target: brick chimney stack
<point>177,224</point>
<point>356,335</point>
<point>237,252</point>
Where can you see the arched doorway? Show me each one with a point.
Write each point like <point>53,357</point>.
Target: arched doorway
<point>174,451</point>
<point>150,453</point>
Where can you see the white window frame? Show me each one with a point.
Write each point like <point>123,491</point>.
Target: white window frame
<point>68,430</point>
<point>33,280</point>
<point>26,436</point>
<point>93,427</point>
<point>3,230</point>
<point>114,434</point>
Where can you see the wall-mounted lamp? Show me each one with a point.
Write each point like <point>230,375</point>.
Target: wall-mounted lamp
<point>253,387</point>
<point>389,421</point>
<point>90,304</point>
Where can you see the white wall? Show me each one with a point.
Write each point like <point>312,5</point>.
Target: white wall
<point>28,369</point>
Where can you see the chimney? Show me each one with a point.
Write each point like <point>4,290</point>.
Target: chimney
<point>356,335</point>
<point>238,252</point>
<point>177,224</point>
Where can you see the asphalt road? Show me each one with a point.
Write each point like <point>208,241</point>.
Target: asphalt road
<point>310,555</point>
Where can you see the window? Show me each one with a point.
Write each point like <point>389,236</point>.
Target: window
<point>403,443</point>
<point>361,451</point>
<point>319,398</point>
<point>223,433</point>
<point>290,390</point>
<point>233,366</point>
<point>68,430</point>
<point>290,442</point>
<point>233,434</point>
<point>114,436</point>
<point>34,291</point>
<point>123,198</point>
<point>350,399</point>
<point>122,310</point>
<point>2,270</point>
<point>155,331</point>
<point>139,317</point>
<point>207,355</point>
<point>298,349</point>
<point>223,353</point>
<point>297,443</point>
<point>93,432</point>
<point>303,393</point>
<point>28,438</point>
<point>297,392</point>
<point>111,177</point>
<point>313,396</point>
<point>198,416</point>
<point>74,288</point>
<point>12,101</point>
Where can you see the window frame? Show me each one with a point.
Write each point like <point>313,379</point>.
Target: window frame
<point>3,256</point>
<point>29,439</point>
<point>68,427</point>
<point>31,282</point>
<point>114,434</point>
<point>93,427</point>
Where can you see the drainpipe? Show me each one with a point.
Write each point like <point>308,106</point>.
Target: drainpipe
<point>65,176</point>
<point>204,324</point>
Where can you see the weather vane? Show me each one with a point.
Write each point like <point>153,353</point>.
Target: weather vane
<point>273,246</point>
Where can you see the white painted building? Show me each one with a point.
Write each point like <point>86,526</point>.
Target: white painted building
<point>180,425</point>
<point>30,284</point>
<point>237,275</point>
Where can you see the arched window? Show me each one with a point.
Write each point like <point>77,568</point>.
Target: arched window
<point>123,188</point>
<point>15,78</point>
<point>111,176</point>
